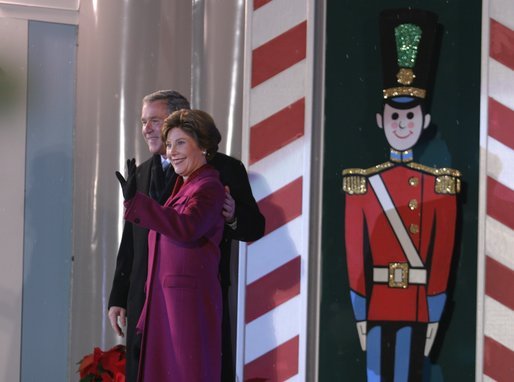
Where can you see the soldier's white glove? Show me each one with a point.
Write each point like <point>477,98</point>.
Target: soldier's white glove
<point>431,333</point>
<point>361,330</point>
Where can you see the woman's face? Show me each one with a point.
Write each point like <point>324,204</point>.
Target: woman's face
<point>183,152</point>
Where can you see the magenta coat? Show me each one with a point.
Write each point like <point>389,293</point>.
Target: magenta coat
<point>181,318</point>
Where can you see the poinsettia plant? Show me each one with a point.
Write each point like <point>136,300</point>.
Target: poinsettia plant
<point>103,366</point>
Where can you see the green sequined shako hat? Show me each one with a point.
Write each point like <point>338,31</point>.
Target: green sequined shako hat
<point>407,39</point>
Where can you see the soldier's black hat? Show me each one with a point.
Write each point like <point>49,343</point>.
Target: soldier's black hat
<point>408,39</point>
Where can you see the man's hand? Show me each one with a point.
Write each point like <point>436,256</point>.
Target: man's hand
<point>431,333</point>
<point>229,207</point>
<point>114,313</point>
<point>128,187</point>
<point>362,331</point>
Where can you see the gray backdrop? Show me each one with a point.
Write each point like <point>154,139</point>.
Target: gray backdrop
<point>127,49</point>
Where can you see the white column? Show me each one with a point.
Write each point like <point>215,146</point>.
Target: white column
<point>13,40</point>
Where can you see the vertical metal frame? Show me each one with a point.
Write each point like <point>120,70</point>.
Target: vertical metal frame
<point>479,357</point>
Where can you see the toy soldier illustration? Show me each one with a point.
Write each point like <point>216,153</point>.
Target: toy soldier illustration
<point>400,215</point>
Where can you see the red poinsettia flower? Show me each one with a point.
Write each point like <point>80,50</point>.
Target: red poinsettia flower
<point>89,364</point>
<point>119,377</point>
<point>100,366</point>
<point>113,360</point>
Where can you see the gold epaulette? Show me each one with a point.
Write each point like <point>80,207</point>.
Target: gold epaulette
<point>447,180</point>
<point>355,179</point>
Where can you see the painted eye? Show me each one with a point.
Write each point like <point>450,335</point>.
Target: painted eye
<point>410,115</point>
<point>395,116</point>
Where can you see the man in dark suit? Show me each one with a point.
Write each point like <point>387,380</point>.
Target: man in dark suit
<point>155,177</point>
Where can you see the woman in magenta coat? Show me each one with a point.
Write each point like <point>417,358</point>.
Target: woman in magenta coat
<point>181,318</point>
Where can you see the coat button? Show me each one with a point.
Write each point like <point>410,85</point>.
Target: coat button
<point>413,181</point>
<point>413,204</point>
<point>414,228</point>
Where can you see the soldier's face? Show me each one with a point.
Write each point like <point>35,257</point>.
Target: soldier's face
<point>403,128</point>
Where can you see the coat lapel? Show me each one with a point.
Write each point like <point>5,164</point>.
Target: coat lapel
<point>202,172</point>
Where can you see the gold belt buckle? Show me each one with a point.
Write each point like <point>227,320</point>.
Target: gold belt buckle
<point>398,275</point>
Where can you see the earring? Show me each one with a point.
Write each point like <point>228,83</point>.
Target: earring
<point>204,152</point>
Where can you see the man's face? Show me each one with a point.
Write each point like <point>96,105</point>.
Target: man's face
<point>152,119</point>
<point>403,128</point>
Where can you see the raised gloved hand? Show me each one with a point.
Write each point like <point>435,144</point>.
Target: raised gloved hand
<point>128,186</point>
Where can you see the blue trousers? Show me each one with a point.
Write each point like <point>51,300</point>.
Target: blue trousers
<point>395,351</point>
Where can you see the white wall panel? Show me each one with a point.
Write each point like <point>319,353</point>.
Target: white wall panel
<point>13,39</point>
<point>55,11</point>
<point>57,4</point>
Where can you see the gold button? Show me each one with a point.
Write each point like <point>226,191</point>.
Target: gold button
<point>413,181</point>
<point>414,228</point>
<point>413,204</point>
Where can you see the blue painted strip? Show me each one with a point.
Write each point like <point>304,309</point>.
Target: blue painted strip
<point>436,306</point>
<point>359,306</point>
<point>402,354</point>
<point>374,354</point>
<point>48,201</point>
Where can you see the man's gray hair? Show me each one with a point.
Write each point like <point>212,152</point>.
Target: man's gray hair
<point>173,99</point>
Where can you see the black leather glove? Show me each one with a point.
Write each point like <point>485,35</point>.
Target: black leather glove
<point>128,186</point>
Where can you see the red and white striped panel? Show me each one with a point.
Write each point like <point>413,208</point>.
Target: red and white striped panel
<point>498,143</point>
<point>277,144</point>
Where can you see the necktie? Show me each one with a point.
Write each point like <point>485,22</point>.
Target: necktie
<point>165,166</point>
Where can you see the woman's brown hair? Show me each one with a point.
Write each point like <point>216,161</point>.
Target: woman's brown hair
<point>199,125</point>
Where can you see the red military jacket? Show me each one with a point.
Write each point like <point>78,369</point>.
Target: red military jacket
<point>424,199</point>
